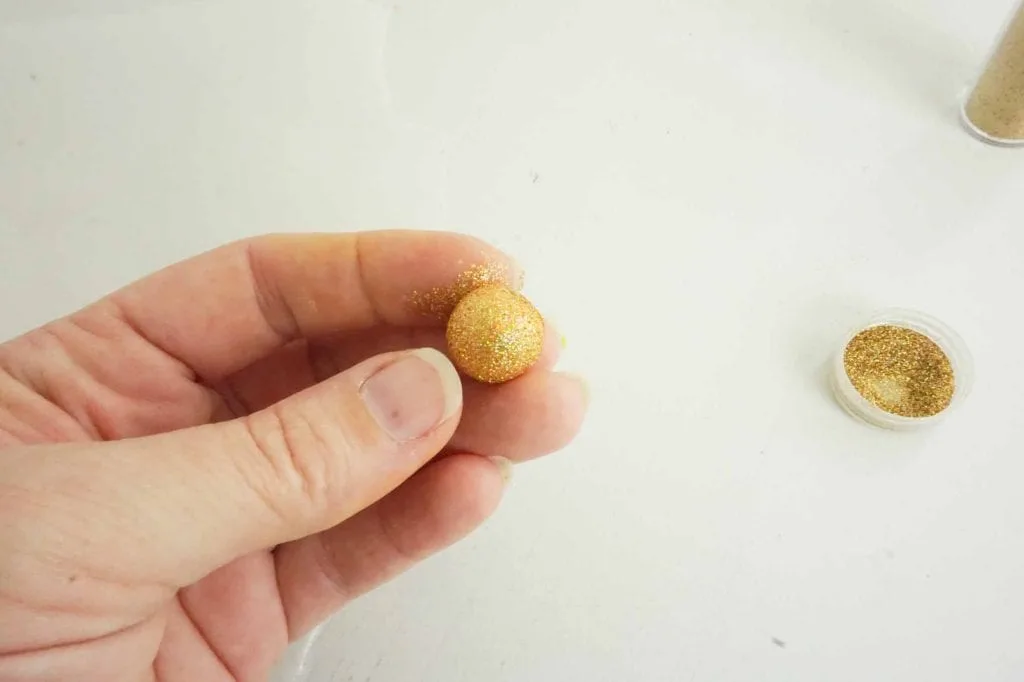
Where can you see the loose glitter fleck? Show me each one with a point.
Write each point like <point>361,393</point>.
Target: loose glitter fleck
<point>495,334</point>
<point>996,104</point>
<point>900,371</point>
<point>440,301</point>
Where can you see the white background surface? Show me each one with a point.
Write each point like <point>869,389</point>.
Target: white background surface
<point>705,195</point>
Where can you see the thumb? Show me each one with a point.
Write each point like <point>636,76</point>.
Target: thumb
<point>174,507</point>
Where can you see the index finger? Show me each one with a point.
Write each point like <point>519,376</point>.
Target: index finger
<point>224,309</point>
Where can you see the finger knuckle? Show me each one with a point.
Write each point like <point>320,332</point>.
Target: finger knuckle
<point>303,457</point>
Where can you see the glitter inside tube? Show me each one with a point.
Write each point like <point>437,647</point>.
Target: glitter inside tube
<point>495,334</point>
<point>994,111</point>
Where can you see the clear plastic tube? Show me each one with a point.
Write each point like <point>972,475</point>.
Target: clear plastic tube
<point>994,107</point>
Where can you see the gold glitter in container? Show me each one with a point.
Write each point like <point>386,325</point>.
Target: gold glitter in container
<point>495,334</point>
<point>902,370</point>
<point>994,109</point>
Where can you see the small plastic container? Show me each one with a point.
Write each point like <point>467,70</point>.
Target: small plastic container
<point>947,340</point>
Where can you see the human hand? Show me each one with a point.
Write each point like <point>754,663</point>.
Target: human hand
<point>199,468</point>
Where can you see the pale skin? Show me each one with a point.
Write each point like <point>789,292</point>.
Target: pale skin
<point>199,468</point>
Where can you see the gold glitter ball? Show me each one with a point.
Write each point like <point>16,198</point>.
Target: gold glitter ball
<point>495,334</point>
<point>900,371</point>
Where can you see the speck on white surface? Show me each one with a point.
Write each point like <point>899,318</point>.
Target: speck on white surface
<point>705,195</point>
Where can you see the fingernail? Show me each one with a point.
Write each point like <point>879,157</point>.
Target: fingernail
<point>413,395</point>
<point>582,381</point>
<point>555,331</point>
<point>554,344</point>
<point>504,468</point>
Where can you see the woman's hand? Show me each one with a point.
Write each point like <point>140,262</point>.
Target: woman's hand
<point>201,467</point>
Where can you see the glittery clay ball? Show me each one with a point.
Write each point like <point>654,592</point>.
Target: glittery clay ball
<point>495,334</point>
